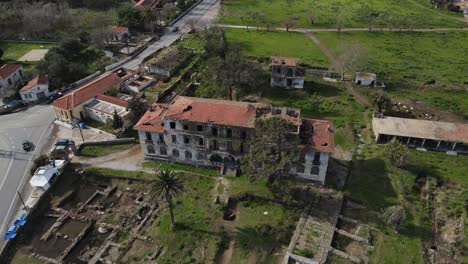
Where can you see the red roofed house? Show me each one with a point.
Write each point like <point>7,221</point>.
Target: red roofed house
<point>11,75</point>
<point>36,90</point>
<point>146,4</point>
<point>216,133</point>
<point>89,101</point>
<point>119,33</point>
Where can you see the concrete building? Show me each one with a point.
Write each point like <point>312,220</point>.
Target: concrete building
<point>11,75</point>
<point>102,107</point>
<point>286,73</point>
<point>71,106</point>
<point>368,79</point>
<point>216,133</point>
<point>137,83</point>
<point>36,90</point>
<point>422,134</point>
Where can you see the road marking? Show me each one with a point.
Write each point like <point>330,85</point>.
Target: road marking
<point>12,159</point>
<point>7,216</point>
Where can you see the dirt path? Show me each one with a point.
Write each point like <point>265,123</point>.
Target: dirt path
<point>303,30</point>
<point>359,98</point>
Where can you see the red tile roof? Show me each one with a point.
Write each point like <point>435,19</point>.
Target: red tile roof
<point>112,100</point>
<point>39,80</point>
<point>142,4</point>
<point>6,70</point>
<point>317,135</point>
<point>151,120</point>
<point>119,29</point>
<point>90,90</point>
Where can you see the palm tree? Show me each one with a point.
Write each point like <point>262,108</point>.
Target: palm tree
<point>167,186</point>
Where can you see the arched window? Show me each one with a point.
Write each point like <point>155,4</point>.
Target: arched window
<point>175,153</point>
<point>163,151</point>
<point>201,156</point>
<point>150,149</point>
<point>314,170</point>
<point>188,155</point>
<point>216,158</point>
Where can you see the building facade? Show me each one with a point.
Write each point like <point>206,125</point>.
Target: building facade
<point>286,73</point>
<point>216,133</point>
<point>11,75</point>
<point>36,90</point>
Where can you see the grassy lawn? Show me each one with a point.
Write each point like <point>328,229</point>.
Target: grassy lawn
<point>325,12</point>
<point>264,44</point>
<point>180,167</point>
<point>99,151</point>
<point>15,50</point>
<point>407,60</point>
<point>393,249</point>
<point>195,235</point>
<point>24,259</point>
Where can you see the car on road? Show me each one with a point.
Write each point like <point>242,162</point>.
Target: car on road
<point>175,29</point>
<point>5,110</point>
<point>27,145</point>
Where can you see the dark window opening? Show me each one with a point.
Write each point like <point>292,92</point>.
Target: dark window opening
<point>314,170</point>
<point>317,157</point>
<point>214,131</point>
<point>243,135</point>
<point>186,140</point>
<point>200,141</point>
<point>215,144</point>
<point>175,153</point>
<point>151,150</point>
<point>229,133</point>
<point>163,151</point>
<point>186,127</point>
<point>242,148</point>
<point>148,136</point>
<point>172,124</point>
<point>199,127</point>
<point>174,139</point>
<point>161,138</point>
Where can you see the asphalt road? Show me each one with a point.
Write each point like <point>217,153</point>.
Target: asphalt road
<point>201,14</point>
<point>33,124</point>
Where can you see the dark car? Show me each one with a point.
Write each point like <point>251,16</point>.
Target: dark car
<point>175,29</point>
<point>5,110</point>
<point>62,142</point>
<point>55,95</point>
<point>13,105</point>
<point>27,145</point>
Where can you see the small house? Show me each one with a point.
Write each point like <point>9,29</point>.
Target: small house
<point>36,90</point>
<point>286,73</point>
<point>11,75</point>
<point>368,79</point>
<point>137,83</point>
<point>119,33</point>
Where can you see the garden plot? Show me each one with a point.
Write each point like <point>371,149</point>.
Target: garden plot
<point>34,55</point>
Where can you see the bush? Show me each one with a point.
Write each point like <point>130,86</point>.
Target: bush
<point>42,160</point>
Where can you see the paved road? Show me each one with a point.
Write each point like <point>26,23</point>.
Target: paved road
<point>202,13</point>
<point>33,124</point>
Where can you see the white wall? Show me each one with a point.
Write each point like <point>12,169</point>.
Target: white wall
<point>31,94</point>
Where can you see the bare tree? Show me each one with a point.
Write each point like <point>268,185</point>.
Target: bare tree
<point>290,22</point>
<point>339,19</point>
<point>350,57</point>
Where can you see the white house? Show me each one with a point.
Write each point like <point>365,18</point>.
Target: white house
<point>36,90</point>
<point>102,107</point>
<point>137,83</point>
<point>119,33</point>
<point>11,75</point>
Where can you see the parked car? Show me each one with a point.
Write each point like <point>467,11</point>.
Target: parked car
<point>62,142</point>
<point>27,145</point>
<point>175,29</point>
<point>53,96</point>
<point>16,104</point>
<point>5,110</point>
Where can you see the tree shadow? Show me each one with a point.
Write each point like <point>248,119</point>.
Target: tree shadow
<point>322,89</point>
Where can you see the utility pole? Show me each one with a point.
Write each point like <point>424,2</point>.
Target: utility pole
<point>81,132</point>
<point>22,201</point>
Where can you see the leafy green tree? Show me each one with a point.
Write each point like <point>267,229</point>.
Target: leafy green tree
<point>167,186</point>
<point>116,121</point>
<point>272,150</point>
<point>131,18</point>
<point>396,153</point>
<point>137,107</point>
<point>215,42</point>
<point>381,102</point>
<point>42,160</point>
<point>59,154</point>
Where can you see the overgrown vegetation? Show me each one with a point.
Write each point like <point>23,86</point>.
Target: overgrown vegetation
<point>99,151</point>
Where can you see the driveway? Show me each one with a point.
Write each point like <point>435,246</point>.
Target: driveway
<point>203,13</point>
<point>33,124</point>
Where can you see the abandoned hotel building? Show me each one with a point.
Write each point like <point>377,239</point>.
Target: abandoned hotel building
<point>215,133</point>
<point>286,73</point>
<point>422,134</point>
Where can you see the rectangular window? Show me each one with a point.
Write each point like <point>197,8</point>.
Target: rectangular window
<point>215,145</point>
<point>186,139</point>
<point>316,157</point>
<point>229,146</point>
<point>172,124</point>
<point>199,128</point>
<point>148,136</point>
<point>174,138</point>
<point>241,148</point>
<point>229,133</point>
<point>243,134</point>
<point>161,138</point>
<point>200,142</point>
<point>214,131</point>
<point>186,127</point>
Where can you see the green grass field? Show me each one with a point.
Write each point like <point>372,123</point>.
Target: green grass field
<point>15,50</point>
<point>264,44</point>
<point>406,61</point>
<point>325,12</point>
<point>99,151</point>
